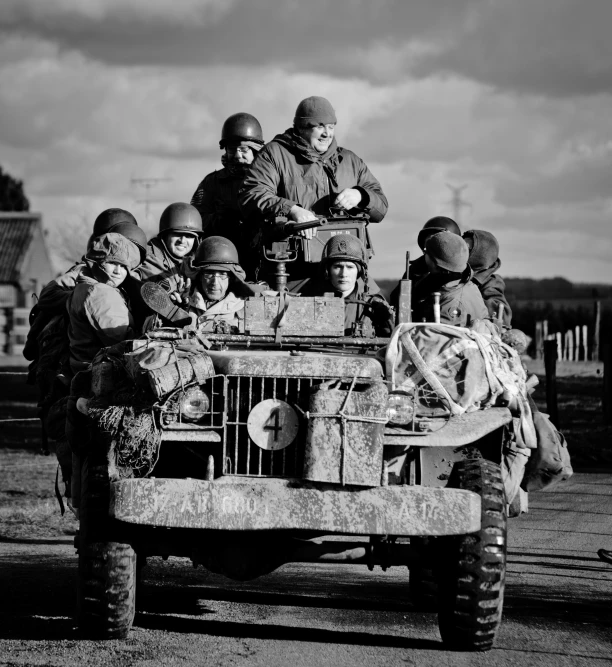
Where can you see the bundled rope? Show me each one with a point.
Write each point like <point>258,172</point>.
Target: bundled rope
<point>134,439</point>
<point>129,422</point>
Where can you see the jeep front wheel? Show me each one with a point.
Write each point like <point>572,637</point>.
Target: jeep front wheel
<point>473,567</point>
<point>106,589</point>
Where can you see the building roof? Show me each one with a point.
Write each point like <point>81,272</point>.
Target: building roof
<point>16,234</point>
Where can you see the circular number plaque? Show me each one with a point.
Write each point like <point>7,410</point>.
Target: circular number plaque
<point>273,424</point>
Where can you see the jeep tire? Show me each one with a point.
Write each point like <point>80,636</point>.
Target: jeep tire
<point>422,582</point>
<point>106,591</point>
<point>473,567</point>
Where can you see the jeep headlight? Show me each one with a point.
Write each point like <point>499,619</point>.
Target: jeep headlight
<point>400,408</point>
<point>194,404</point>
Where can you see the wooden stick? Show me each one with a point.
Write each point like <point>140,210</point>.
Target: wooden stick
<point>577,343</point>
<point>595,355</point>
<point>404,306</point>
<point>550,365</point>
<point>539,340</point>
<point>436,307</point>
<point>607,381</point>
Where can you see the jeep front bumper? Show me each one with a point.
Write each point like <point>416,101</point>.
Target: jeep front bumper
<point>236,503</point>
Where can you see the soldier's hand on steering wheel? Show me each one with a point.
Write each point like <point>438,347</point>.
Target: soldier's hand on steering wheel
<point>349,198</point>
<point>299,214</point>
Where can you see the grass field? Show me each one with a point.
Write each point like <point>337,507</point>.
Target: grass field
<point>29,509</point>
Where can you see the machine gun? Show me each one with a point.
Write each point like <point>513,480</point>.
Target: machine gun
<point>282,244</point>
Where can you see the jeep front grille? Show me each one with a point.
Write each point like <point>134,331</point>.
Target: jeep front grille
<point>241,455</point>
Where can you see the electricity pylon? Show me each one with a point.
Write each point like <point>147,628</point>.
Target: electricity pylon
<point>147,184</point>
<point>457,202</point>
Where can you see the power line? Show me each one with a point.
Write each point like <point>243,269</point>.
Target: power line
<point>457,202</point>
<point>147,184</point>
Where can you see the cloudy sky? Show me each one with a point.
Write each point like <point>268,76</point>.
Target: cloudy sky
<point>512,97</point>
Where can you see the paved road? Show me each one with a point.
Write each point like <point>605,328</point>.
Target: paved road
<point>558,605</point>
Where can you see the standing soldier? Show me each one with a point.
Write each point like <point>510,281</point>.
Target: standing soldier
<point>304,172</point>
<point>216,198</point>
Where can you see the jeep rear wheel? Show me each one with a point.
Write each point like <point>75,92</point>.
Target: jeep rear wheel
<point>422,581</point>
<point>106,591</point>
<point>473,566</point>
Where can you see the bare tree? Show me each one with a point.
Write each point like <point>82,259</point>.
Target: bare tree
<point>69,239</point>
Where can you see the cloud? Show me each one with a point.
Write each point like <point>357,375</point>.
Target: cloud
<point>344,38</point>
<point>49,98</point>
<point>557,48</point>
<point>95,93</point>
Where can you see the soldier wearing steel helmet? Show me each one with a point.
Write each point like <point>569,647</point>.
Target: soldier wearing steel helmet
<point>450,275</point>
<point>180,231</point>
<point>53,296</point>
<point>98,309</point>
<point>215,298</point>
<point>484,261</point>
<point>344,272</point>
<point>216,197</point>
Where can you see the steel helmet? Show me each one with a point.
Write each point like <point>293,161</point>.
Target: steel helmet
<point>181,217</point>
<point>135,234</point>
<point>114,247</point>
<point>241,127</point>
<point>438,224</point>
<point>345,247</point>
<point>448,251</point>
<point>483,247</point>
<point>110,218</point>
<point>216,252</point>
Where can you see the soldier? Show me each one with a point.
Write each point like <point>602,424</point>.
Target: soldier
<point>216,198</point>
<point>53,296</point>
<point>97,307</point>
<point>180,230</point>
<point>418,267</point>
<point>303,172</point>
<point>344,267</point>
<point>217,285</point>
<point>484,262</point>
<point>446,256</point>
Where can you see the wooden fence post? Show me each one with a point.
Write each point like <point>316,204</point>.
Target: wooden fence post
<point>595,355</point>
<point>585,341</point>
<point>577,343</point>
<point>559,337</point>
<point>550,366</point>
<point>539,340</point>
<point>607,383</point>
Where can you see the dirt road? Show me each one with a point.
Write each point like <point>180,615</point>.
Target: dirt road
<point>558,605</point>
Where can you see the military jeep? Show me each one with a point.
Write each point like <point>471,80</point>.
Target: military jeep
<point>271,441</point>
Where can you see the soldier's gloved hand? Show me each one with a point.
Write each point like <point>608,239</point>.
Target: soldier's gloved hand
<point>299,214</point>
<point>181,294</point>
<point>379,309</point>
<point>348,199</point>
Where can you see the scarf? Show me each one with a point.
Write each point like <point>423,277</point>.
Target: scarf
<point>328,160</point>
